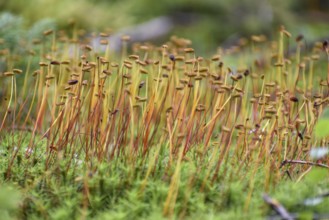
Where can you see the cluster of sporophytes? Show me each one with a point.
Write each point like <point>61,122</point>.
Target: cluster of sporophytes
<point>158,131</point>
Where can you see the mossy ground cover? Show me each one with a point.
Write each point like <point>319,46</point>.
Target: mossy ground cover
<point>158,132</point>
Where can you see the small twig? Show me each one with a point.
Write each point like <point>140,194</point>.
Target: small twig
<point>288,173</point>
<point>303,162</point>
<point>318,197</point>
<point>278,208</point>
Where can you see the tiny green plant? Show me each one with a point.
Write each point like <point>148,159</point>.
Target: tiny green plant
<point>160,131</point>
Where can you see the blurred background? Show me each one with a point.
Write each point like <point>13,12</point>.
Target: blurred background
<point>208,23</point>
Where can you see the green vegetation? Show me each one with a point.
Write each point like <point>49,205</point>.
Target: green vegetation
<point>159,132</point>
<point>207,23</point>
